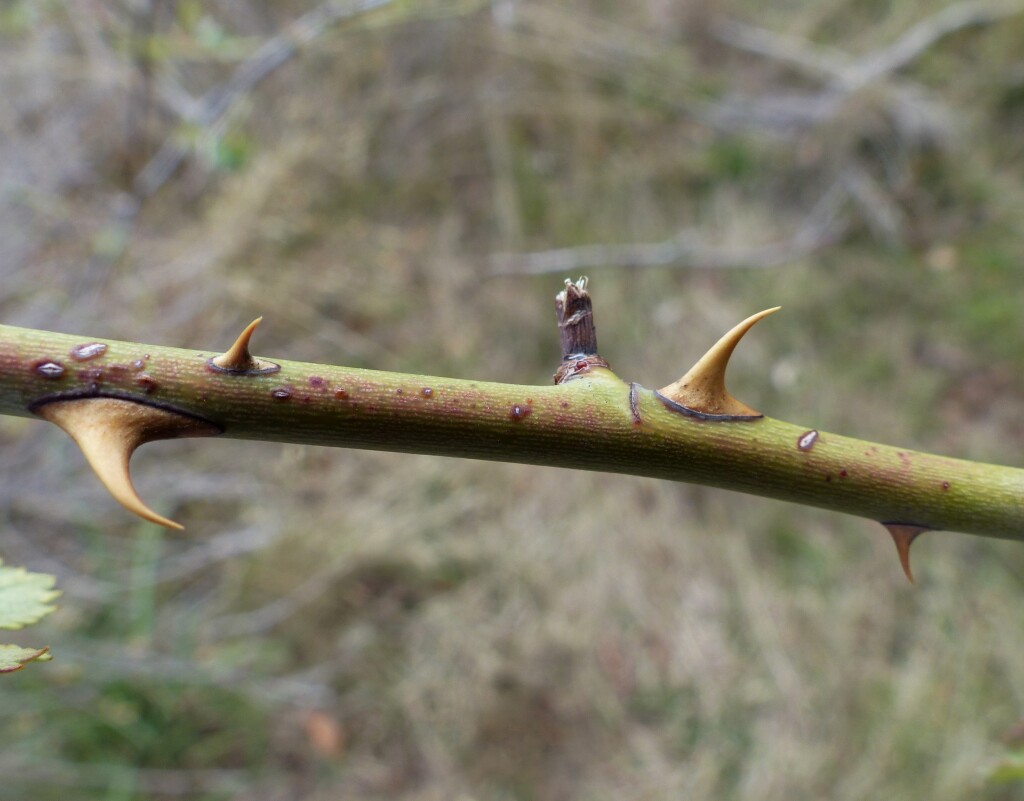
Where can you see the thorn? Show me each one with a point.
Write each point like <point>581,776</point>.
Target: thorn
<point>108,430</point>
<point>238,361</point>
<point>702,389</point>
<point>903,535</point>
<point>237,358</point>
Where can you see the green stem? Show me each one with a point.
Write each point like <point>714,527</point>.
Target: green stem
<point>594,421</point>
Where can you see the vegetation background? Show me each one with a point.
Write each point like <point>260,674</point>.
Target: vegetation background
<point>340,624</point>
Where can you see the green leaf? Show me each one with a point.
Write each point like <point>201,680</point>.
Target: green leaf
<point>13,658</point>
<point>24,597</point>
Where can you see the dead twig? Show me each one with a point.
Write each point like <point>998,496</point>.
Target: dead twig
<point>849,74</point>
<point>843,75</point>
<point>209,112</point>
<point>824,225</point>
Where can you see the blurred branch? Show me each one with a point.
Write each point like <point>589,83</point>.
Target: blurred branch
<point>842,74</point>
<point>219,548</point>
<point>848,74</point>
<point>880,212</point>
<point>209,112</point>
<point>257,621</point>
<point>785,112</point>
<point>916,41</point>
<point>824,225</point>
<point>813,59</point>
<point>96,776</point>
<point>109,658</point>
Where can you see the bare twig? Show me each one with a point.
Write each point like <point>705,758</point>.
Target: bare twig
<point>81,775</point>
<point>824,225</point>
<point>218,548</point>
<point>812,59</point>
<point>108,658</point>
<point>879,211</point>
<point>259,620</point>
<point>209,112</point>
<point>848,74</point>
<point>916,41</point>
<point>841,74</point>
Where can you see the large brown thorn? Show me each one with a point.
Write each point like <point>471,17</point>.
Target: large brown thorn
<point>108,430</point>
<point>702,389</point>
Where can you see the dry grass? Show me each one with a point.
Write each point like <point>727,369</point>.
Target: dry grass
<point>486,631</point>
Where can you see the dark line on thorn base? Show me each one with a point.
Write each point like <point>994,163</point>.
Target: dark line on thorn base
<point>672,406</point>
<point>84,394</point>
<point>270,368</point>
<point>634,402</point>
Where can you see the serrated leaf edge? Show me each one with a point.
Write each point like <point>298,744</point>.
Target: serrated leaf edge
<point>33,655</point>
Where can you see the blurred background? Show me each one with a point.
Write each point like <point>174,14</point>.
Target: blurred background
<point>404,186</point>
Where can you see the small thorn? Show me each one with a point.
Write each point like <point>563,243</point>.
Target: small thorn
<point>108,430</point>
<point>903,535</point>
<point>238,361</point>
<point>703,390</point>
<point>237,358</point>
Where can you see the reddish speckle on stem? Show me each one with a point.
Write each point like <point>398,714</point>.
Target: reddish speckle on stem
<point>281,393</point>
<point>565,404</point>
<point>48,368</point>
<point>92,374</point>
<point>577,366</point>
<point>90,350</point>
<point>806,441</point>
<point>427,392</point>
<point>519,411</point>
<point>317,382</point>
<point>843,474</point>
<point>341,394</point>
<point>399,391</point>
<point>147,383</point>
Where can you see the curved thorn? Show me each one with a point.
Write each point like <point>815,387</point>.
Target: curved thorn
<point>903,535</point>
<point>702,389</point>
<point>108,430</point>
<point>237,358</point>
